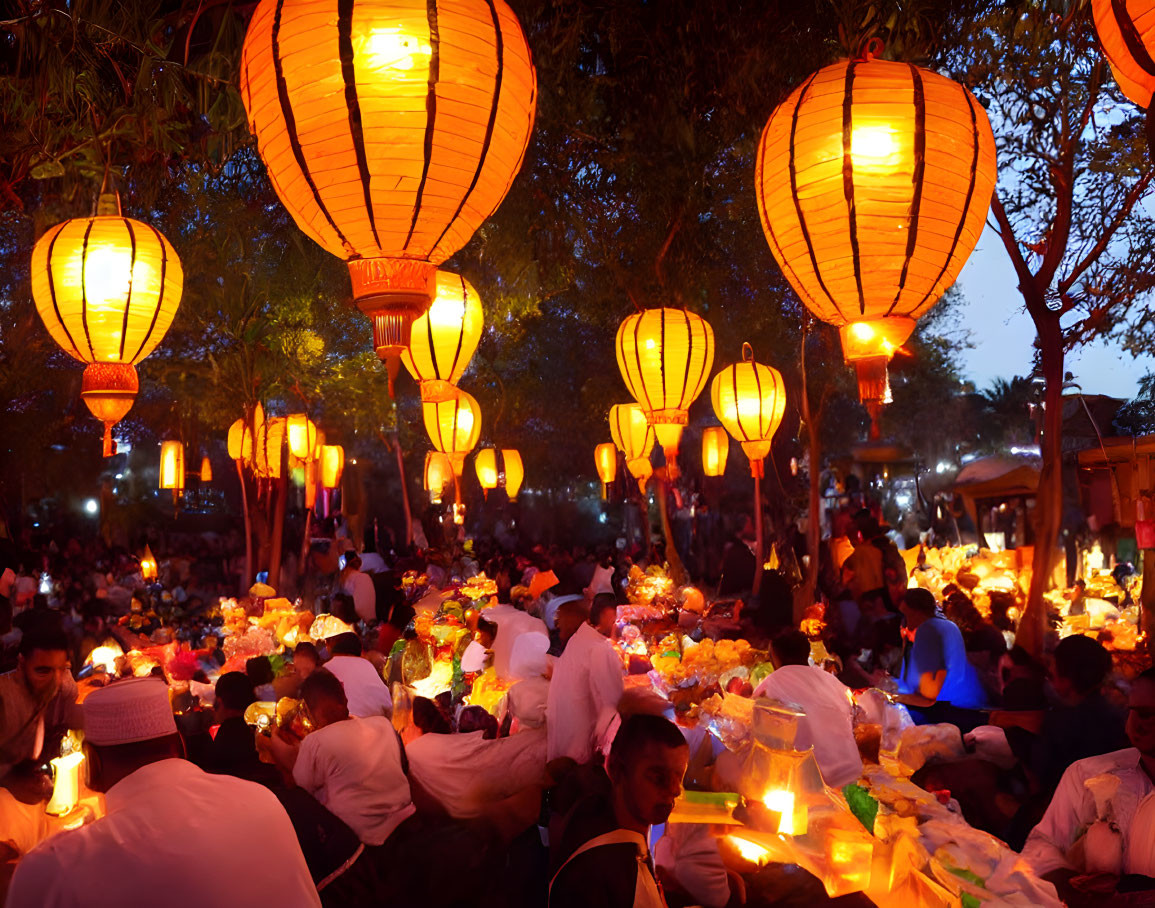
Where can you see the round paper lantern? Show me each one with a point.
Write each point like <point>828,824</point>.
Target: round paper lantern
<point>499,469</point>
<point>514,471</point>
<point>606,460</point>
<point>1127,34</point>
<point>302,436</point>
<point>454,426</point>
<point>332,466</point>
<point>445,338</point>
<point>438,473</point>
<point>665,357</point>
<point>873,181</point>
<point>391,131</point>
<point>107,289</point>
<point>634,437</point>
<point>172,465</point>
<point>750,399</point>
<point>715,450</point>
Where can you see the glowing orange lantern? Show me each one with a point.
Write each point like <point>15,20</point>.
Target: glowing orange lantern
<point>302,436</point>
<point>240,441</point>
<point>206,470</point>
<point>332,466</point>
<point>634,437</point>
<point>494,471</point>
<point>665,356</point>
<point>445,338</point>
<point>106,288</point>
<point>606,459</point>
<point>268,442</point>
<point>454,426</point>
<point>514,471</point>
<point>437,475</point>
<point>172,465</point>
<point>1127,33</point>
<point>750,399</point>
<point>873,183</point>
<point>391,131</point>
<point>715,450</point>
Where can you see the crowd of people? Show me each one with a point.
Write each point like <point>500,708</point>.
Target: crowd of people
<point>392,797</point>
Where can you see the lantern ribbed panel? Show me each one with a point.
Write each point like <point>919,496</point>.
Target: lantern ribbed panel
<point>631,432</point>
<point>438,473</point>
<point>445,338</point>
<point>172,465</point>
<point>873,183</point>
<point>486,466</point>
<point>514,471</point>
<point>454,425</point>
<point>332,466</point>
<point>240,441</point>
<point>665,356</point>
<point>107,288</point>
<point>390,129</point>
<point>715,450</point>
<point>606,460</point>
<point>749,399</point>
<point>269,439</point>
<point>1127,34</point>
<point>302,436</point>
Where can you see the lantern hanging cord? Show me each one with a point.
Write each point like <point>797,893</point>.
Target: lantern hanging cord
<point>747,352</point>
<point>871,48</point>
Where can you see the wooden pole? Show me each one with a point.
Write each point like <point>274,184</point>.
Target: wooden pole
<point>758,560</point>
<point>247,577</point>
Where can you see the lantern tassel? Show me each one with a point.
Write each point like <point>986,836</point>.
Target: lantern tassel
<point>109,444</point>
<point>393,366</point>
<point>758,469</point>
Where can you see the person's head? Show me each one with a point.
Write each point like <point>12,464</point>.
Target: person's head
<point>1141,713</point>
<point>345,645</point>
<point>790,648</point>
<point>127,725</point>
<point>1081,665</point>
<point>352,561</point>
<point>647,763</point>
<point>475,718</point>
<point>342,607</point>
<point>324,696</point>
<point>959,608</point>
<point>604,613</point>
<point>569,617</point>
<point>43,659</point>
<point>234,692</point>
<point>486,632</point>
<point>305,659</point>
<point>259,670</point>
<point>917,606</point>
<point>428,717</point>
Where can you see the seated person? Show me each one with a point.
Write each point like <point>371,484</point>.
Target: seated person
<point>935,670</point>
<point>354,766</point>
<point>365,689</point>
<point>828,725</point>
<point>260,672</point>
<point>305,659</point>
<point>1077,846</point>
<point>233,749</point>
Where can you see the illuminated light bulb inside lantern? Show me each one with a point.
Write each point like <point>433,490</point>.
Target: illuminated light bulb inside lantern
<point>873,146</point>
<point>398,52</point>
<point>750,851</point>
<point>782,803</point>
<point>108,274</point>
<point>863,331</point>
<point>66,788</point>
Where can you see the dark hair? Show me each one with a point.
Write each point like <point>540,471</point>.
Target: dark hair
<point>920,600</point>
<point>602,602</point>
<point>352,559</point>
<point>235,690</point>
<point>487,627</point>
<point>323,685</point>
<point>639,730</point>
<point>45,638</point>
<point>259,670</point>
<point>341,606</point>
<point>791,647</point>
<point>345,645</point>
<point>575,608</point>
<point>1083,661</point>
<point>305,648</point>
<point>475,718</point>
<point>429,718</point>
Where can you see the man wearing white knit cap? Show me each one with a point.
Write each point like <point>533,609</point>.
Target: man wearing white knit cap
<point>173,835</point>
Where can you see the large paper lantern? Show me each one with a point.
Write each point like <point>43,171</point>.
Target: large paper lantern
<point>873,181</point>
<point>332,466</point>
<point>1127,34</point>
<point>391,131</point>
<point>715,450</point>
<point>438,473</point>
<point>499,469</point>
<point>107,289</point>
<point>302,436</point>
<point>445,338</point>
<point>634,437</point>
<point>454,426</point>
<point>172,465</point>
<point>665,357</point>
<point>606,460</point>
<point>750,399</point>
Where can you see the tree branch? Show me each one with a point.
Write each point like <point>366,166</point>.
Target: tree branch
<point>1027,285</point>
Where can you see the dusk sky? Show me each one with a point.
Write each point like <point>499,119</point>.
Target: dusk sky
<point>1003,333</point>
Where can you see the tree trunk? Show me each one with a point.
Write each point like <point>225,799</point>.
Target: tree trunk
<point>1049,501</point>
<point>814,522</point>
<point>277,545</point>
<point>673,559</point>
<point>404,491</point>
<point>247,576</point>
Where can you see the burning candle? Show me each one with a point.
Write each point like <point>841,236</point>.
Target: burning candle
<point>66,788</point>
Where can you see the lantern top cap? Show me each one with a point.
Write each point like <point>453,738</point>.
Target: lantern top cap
<point>108,205</point>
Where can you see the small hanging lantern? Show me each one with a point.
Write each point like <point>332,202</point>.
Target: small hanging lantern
<point>634,437</point>
<point>107,289</point>
<point>206,469</point>
<point>454,426</point>
<point>332,466</point>
<point>172,465</point>
<point>606,459</point>
<point>750,400</point>
<point>499,469</point>
<point>715,450</point>
<point>445,338</point>
<point>438,473</point>
<point>302,435</point>
<point>240,441</point>
<point>514,471</point>
<point>486,465</point>
<point>665,356</point>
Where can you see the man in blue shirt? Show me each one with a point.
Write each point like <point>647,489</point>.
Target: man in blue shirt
<point>935,670</point>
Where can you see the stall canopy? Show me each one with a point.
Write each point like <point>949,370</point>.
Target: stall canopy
<point>996,479</point>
